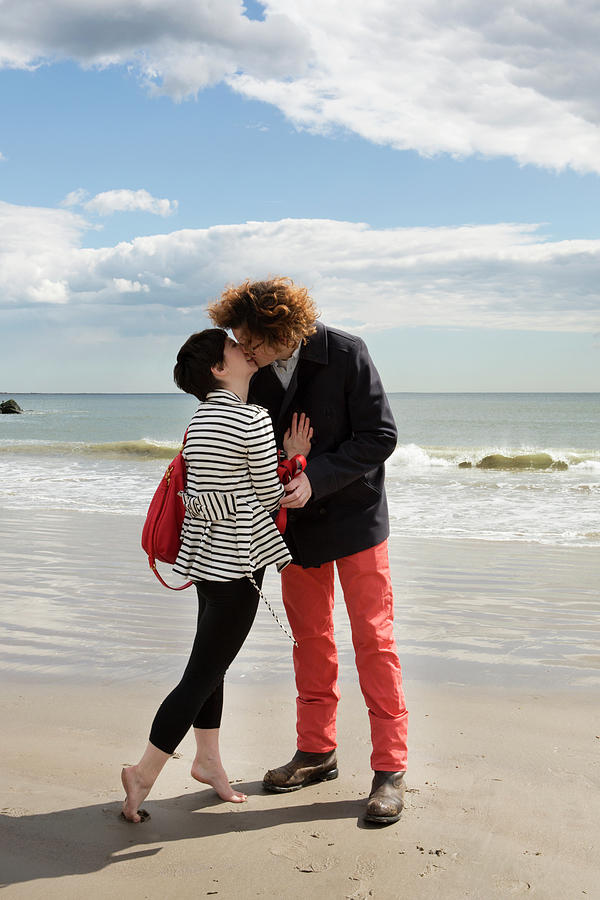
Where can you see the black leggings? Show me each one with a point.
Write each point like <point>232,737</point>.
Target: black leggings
<point>226,611</point>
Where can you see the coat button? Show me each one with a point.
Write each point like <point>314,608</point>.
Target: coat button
<point>322,511</point>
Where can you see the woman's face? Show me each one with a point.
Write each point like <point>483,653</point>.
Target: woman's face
<point>237,361</point>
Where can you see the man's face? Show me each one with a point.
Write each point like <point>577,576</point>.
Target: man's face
<point>262,352</point>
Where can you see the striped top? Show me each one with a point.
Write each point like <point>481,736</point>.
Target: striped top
<point>232,488</point>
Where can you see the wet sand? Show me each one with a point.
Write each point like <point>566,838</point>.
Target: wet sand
<point>79,601</point>
<point>500,652</point>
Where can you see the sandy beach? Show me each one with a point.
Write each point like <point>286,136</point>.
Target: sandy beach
<point>502,801</point>
<point>502,790</point>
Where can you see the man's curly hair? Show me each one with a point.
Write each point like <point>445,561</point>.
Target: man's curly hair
<point>277,310</point>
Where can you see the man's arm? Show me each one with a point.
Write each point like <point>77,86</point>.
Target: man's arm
<point>373,437</point>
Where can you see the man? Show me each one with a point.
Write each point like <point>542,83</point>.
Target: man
<point>337,513</point>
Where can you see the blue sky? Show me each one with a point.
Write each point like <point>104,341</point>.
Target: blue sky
<point>442,203</point>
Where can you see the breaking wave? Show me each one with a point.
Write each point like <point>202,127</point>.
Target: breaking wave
<point>143,448</point>
<point>411,456</point>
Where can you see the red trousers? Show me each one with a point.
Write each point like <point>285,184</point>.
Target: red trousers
<point>308,599</point>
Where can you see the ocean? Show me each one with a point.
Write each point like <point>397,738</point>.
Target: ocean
<point>496,569</point>
<point>541,452</point>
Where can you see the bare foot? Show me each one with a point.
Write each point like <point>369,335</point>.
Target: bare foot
<point>214,774</point>
<point>136,792</point>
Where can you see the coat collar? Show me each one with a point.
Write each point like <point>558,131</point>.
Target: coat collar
<point>222,395</point>
<point>315,348</point>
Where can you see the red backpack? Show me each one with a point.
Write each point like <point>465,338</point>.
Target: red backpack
<point>161,534</point>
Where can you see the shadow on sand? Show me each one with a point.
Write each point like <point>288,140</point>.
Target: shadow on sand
<point>90,838</point>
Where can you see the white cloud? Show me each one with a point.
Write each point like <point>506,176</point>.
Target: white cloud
<point>461,78</point>
<point>46,291</point>
<point>519,79</point>
<point>35,245</point>
<point>75,198</point>
<point>179,47</point>
<point>2,157</point>
<point>487,276</point>
<point>121,200</point>
<point>125,286</point>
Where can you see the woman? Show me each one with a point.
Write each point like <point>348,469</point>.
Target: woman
<point>228,538</point>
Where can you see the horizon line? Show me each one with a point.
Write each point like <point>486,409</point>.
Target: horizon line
<point>182,394</point>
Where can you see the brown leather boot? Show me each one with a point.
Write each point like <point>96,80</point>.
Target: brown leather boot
<point>386,799</point>
<point>303,769</point>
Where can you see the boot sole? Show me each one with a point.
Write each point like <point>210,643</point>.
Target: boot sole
<point>383,820</point>
<point>312,779</point>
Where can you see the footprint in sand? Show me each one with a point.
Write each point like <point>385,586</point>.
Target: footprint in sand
<point>305,856</point>
<point>363,873</point>
<point>513,888</point>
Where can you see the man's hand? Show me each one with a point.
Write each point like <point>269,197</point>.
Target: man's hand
<point>297,492</point>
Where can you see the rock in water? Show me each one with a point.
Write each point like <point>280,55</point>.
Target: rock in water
<point>524,461</point>
<point>10,406</point>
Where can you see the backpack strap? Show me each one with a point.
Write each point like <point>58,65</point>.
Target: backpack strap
<point>164,583</point>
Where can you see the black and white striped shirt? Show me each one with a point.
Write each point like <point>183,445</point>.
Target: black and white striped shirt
<point>232,487</point>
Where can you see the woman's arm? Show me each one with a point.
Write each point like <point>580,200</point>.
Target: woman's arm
<point>262,461</point>
<point>298,437</point>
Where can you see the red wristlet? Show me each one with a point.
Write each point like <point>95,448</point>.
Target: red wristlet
<point>286,470</point>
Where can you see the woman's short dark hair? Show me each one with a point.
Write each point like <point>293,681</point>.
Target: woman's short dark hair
<point>201,351</point>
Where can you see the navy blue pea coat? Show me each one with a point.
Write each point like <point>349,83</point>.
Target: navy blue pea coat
<point>337,385</point>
